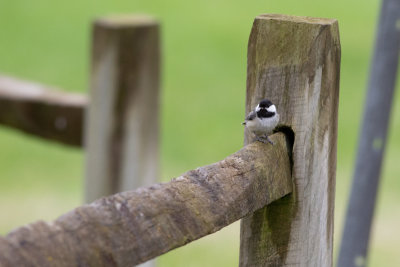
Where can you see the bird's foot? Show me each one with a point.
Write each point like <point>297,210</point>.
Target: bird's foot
<point>264,139</point>
<point>269,140</point>
<point>260,139</point>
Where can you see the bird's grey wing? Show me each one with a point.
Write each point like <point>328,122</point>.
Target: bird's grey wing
<point>251,116</point>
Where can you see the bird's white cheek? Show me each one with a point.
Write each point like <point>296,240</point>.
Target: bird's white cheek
<point>271,108</point>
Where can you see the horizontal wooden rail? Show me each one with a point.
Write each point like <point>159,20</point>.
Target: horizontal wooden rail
<point>42,111</point>
<point>132,227</point>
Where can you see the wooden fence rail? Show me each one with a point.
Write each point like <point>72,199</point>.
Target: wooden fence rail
<point>42,111</point>
<point>134,226</point>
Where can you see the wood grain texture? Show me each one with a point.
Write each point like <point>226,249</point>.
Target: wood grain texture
<point>134,226</point>
<point>41,110</point>
<point>122,125</point>
<point>295,62</point>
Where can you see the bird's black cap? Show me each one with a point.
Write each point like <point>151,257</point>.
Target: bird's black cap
<point>265,103</point>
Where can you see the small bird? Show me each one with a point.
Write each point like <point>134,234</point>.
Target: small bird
<point>262,120</point>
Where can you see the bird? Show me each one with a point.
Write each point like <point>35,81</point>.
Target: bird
<point>262,121</point>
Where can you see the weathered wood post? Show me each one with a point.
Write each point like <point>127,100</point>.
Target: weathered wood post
<point>122,120</point>
<point>295,62</point>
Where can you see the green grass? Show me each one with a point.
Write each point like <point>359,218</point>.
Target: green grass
<point>204,78</point>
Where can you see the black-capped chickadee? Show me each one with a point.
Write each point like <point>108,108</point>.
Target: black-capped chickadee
<point>262,120</point>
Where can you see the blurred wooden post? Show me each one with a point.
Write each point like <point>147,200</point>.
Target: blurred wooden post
<point>122,120</point>
<point>121,134</point>
<point>295,62</point>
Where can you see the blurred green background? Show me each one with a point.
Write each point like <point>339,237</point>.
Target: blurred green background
<point>204,77</point>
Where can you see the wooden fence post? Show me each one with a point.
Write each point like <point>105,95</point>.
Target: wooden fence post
<point>295,62</point>
<point>121,134</point>
<point>122,124</point>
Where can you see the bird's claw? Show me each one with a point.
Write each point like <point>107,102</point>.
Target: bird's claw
<point>270,141</point>
<point>264,139</point>
<point>261,140</point>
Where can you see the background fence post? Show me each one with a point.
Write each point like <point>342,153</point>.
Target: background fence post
<point>122,122</point>
<point>295,62</point>
<point>121,134</point>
